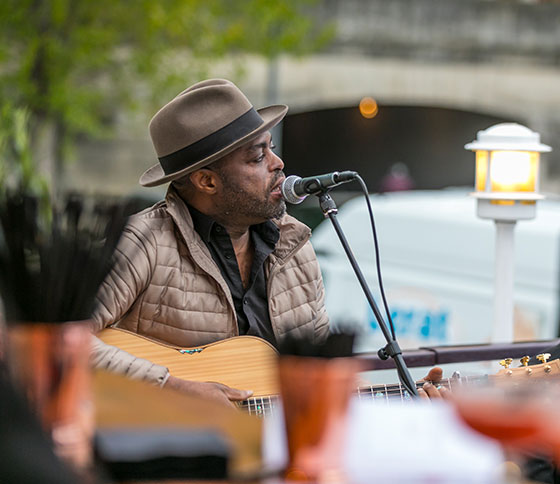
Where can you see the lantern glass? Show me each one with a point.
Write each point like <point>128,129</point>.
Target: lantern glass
<point>513,171</point>
<point>481,170</point>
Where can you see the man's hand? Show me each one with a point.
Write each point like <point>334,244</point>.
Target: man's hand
<point>216,392</point>
<point>430,389</point>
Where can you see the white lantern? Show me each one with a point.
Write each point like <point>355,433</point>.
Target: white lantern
<point>507,171</point>
<point>506,189</point>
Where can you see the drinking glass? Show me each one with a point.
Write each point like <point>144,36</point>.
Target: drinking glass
<point>49,363</point>
<point>315,396</point>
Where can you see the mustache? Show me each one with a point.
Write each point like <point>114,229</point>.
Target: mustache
<point>277,175</point>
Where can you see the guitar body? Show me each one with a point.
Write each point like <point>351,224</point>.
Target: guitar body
<point>243,362</point>
<point>250,363</point>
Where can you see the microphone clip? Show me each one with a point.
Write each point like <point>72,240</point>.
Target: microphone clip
<point>392,349</point>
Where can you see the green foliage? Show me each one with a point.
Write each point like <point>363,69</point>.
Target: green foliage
<point>74,62</point>
<point>18,171</point>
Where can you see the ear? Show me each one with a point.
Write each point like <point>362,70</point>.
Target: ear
<point>205,180</point>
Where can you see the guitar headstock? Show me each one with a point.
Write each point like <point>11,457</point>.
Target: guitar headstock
<point>545,369</point>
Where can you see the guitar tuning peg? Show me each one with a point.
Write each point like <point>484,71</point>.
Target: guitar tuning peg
<point>543,358</point>
<point>525,362</point>
<point>506,362</point>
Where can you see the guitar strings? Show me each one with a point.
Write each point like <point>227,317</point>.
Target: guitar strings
<point>263,406</point>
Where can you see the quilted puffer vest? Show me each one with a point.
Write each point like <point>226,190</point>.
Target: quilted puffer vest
<point>165,285</point>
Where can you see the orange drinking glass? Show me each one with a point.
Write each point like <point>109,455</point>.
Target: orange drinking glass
<point>50,364</point>
<point>518,414</point>
<point>315,395</point>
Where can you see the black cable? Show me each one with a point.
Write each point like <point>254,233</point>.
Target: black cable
<point>377,261</point>
<point>392,348</point>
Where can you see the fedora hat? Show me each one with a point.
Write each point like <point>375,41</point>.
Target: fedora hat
<point>203,123</point>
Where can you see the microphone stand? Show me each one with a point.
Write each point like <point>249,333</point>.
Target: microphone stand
<point>392,348</point>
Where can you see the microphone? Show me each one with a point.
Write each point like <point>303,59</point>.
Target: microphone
<point>296,189</point>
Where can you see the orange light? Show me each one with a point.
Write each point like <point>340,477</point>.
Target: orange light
<point>481,170</point>
<point>368,107</point>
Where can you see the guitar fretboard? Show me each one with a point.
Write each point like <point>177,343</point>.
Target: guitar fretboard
<point>259,406</point>
<point>265,406</point>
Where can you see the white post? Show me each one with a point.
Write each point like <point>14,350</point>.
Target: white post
<point>502,332</point>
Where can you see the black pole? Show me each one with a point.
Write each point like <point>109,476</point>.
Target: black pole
<point>392,348</point>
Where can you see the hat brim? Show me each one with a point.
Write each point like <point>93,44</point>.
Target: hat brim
<point>271,116</point>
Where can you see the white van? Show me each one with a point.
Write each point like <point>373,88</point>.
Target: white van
<point>437,263</point>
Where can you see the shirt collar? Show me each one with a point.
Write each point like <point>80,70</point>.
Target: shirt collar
<point>203,224</point>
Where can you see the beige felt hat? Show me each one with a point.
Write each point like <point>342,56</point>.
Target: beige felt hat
<point>205,122</point>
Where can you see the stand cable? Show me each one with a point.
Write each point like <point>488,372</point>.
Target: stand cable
<point>392,349</point>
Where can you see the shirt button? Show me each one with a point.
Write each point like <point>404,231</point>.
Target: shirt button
<point>245,301</point>
<point>228,256</point>
<point>218,228</point>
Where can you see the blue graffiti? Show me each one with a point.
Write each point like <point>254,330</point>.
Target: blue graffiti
<point>424,324</point>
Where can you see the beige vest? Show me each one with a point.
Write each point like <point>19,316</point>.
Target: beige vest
<point>164,283</point>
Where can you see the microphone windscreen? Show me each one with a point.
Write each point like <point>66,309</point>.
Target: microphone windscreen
<point>288,192</point>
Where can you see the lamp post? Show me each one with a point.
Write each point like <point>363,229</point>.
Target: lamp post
<point>506,189</point>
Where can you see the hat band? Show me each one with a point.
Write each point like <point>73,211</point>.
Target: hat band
<point>205,147</point>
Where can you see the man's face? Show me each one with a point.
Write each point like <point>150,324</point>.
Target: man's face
<point>251,177</point>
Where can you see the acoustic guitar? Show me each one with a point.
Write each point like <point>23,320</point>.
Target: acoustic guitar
<point>250,363</point>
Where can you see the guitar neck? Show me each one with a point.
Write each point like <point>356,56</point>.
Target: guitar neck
<point>398,391</point>
<point>267,405</point>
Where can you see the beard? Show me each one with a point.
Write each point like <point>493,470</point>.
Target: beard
<point>238,200</point>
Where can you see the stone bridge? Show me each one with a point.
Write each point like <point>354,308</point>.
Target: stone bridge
<point>490,59</point>
<point>498,58</point>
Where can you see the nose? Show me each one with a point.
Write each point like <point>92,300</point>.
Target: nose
<point>276,162</point>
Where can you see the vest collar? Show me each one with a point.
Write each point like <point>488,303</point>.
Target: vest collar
<point>293,233</point>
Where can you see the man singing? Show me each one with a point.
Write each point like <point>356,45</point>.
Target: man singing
<point>218,257</point>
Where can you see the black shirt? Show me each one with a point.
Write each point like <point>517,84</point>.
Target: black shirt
<point>251,303</point>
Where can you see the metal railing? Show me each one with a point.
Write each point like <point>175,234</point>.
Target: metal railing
<point>439,355</point>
